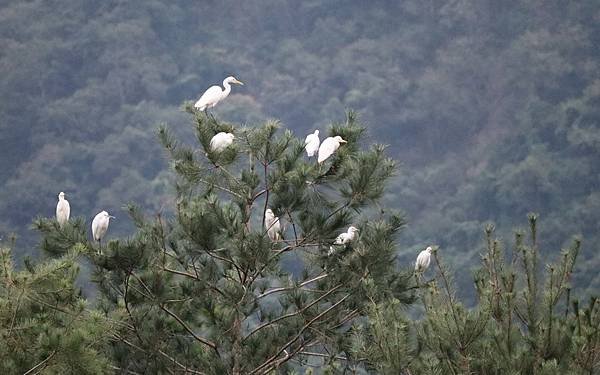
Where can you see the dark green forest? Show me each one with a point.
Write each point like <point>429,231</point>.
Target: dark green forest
<point>491,110</point>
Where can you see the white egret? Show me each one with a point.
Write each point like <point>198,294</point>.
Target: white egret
<point>214,94</point>
<point>63,210</point>
<point>221,141</point>
<point>272,225</point>
<point>328,147</point>
<point>423,260</point>
<point>311,143</point>
<point>344,238</point>
<point>100,225</point>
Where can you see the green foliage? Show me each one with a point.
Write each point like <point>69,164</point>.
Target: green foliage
<point>493,108</point>
<point>384,340</point>
<point>58,241</point>
<point>208,291</point>
<point>524,322</point>
<point>46,325</point>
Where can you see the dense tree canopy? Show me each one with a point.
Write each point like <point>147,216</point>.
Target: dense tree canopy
<point>490,107</point>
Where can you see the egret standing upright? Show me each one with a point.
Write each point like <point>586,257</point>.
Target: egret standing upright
<point>99,227</point>
<point>423,260</point>
<point>311,143</point>
<point>63,210</point>
<point>272,225</point>
<point>214,94</point>
<point>328,147</point>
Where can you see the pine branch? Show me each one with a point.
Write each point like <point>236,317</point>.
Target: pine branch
<point>220,188</point>
<point>189,330</point>
<point>282,289</point>
<point>127,371</point>
<point>313,354</point>
<point>178,319</point>
<point>195,277</point>
<point>448,292</point>
<point>184,367</point>
<point>274,357</point>
<point>42,363</point>
<point>270,323</point>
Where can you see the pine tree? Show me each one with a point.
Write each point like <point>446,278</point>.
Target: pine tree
<point>46,326</point>
<point>209,292</point>
<point>524,322</point>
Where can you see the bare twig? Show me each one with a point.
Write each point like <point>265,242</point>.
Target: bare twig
<point>271,322</point>
<point>268,362</point>
<point>42,364</point>
<point>281,289</point>
<point>189,330</point>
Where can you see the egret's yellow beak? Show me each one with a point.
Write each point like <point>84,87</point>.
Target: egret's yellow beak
<point>238,82</point>
<point>343,141</point>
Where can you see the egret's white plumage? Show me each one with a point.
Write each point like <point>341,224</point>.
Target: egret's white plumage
<point>100,225</point>
<point>311,143</point>
<point>344,238</point>
<point>328,147</point>
<point>63,210</point>
<point>423,260</point>
<point>272,225</point>
<point>215,94</point>
<point>221,141</point>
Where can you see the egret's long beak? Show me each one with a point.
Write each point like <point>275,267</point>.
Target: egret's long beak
<point>239,82</point>
<point>112,217</point>
<point>343,141</point>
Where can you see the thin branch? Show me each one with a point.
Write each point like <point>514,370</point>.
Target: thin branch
<point>293,227</point>
<point>271,322</point>
<point>127,371</point>
<point>448,292</point>
<point>282,289</point>
<point>184,367</point>
<point>189,330</point>
<point>43,363</point>
<point>220,187</point>
<point>126,302</point>
<point>178,319</point>
<point>338,357</point>
<point>124,340</point>
<point>266,192</point>
<point>274,357</point>
<point>351,315</point>
<point>255,196</point>
<point>14,318</point>
<point>194,277</point>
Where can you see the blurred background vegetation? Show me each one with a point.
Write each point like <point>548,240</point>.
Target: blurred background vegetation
<point>492,107</point>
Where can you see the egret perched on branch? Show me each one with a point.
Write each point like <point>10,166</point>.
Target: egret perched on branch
<point>100,225</point>
<point>423,260</point>
<point>311,144</point>
<point>272,225</point>
<point>214,94</point>
<point>328,147</point>
<point>63,210</point>
<point>221,141</point>
<point>344,238</point>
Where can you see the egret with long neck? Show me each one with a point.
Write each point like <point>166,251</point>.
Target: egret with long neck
<point>215,94</point>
